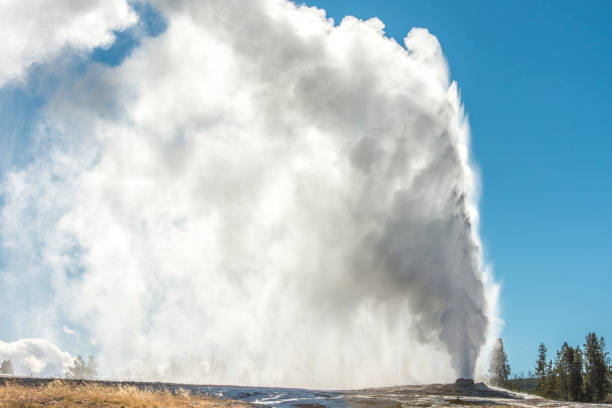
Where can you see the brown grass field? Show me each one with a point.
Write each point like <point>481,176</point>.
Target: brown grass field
<point>62,394</point>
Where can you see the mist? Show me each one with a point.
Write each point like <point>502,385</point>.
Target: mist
<point>258,196</point>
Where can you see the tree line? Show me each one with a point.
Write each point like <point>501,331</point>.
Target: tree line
<point>580,373</point>
<point>83,371</point>
<point>7,367</point>
<point>78,371</point>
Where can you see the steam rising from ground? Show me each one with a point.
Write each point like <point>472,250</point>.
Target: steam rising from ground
<point>257,196</point>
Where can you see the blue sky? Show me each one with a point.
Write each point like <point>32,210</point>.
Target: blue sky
<point>535,80</point>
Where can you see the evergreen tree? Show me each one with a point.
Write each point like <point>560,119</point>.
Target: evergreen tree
<point>92,368</point>
<point>608,365</point>
<point>499,370</point>
<point>596,368</point>
<point>550,382</point>
<point>78,370</point>
<point>563,361</point>
<point>540,369</point>
<point>6,367</point>
<point>575,376</point>
<point>83,371</point>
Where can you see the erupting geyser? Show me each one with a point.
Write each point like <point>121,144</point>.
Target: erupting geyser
<point>258,196</point>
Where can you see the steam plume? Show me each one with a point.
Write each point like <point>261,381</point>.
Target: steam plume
<point>35,357</point>
<point>260,196</point>
<point>36,31</point>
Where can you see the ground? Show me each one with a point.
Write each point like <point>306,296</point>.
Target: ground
<point>37,392</point>
<point>97,395</point>
<point>463,393</point>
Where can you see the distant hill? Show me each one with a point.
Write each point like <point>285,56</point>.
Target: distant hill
<point>526,385</point>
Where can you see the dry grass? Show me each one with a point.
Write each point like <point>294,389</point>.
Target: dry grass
<point>62,394</point>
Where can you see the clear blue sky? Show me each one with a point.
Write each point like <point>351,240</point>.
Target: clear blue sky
<point>535,78</point>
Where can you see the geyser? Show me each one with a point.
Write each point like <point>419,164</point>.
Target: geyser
<point>257,196</point>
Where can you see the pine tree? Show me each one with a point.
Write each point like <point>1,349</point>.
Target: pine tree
<point>78,370</point>
<point>596,368</point>
<point>575,376</point>
<point>540,369</point>
<point>6,367</point>
<point>550,383</point>
<point>563,361</point>
<point>499,370</point>
<point>608,369</point>
<point>92,368</point>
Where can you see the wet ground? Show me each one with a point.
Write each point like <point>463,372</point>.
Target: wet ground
<point>463,393</point>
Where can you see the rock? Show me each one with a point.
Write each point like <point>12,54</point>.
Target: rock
<point>464,382</point>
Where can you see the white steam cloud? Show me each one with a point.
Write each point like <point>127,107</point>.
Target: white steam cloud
<point>35,357</point>
<point>34,31</point>
<point>259,196</point>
